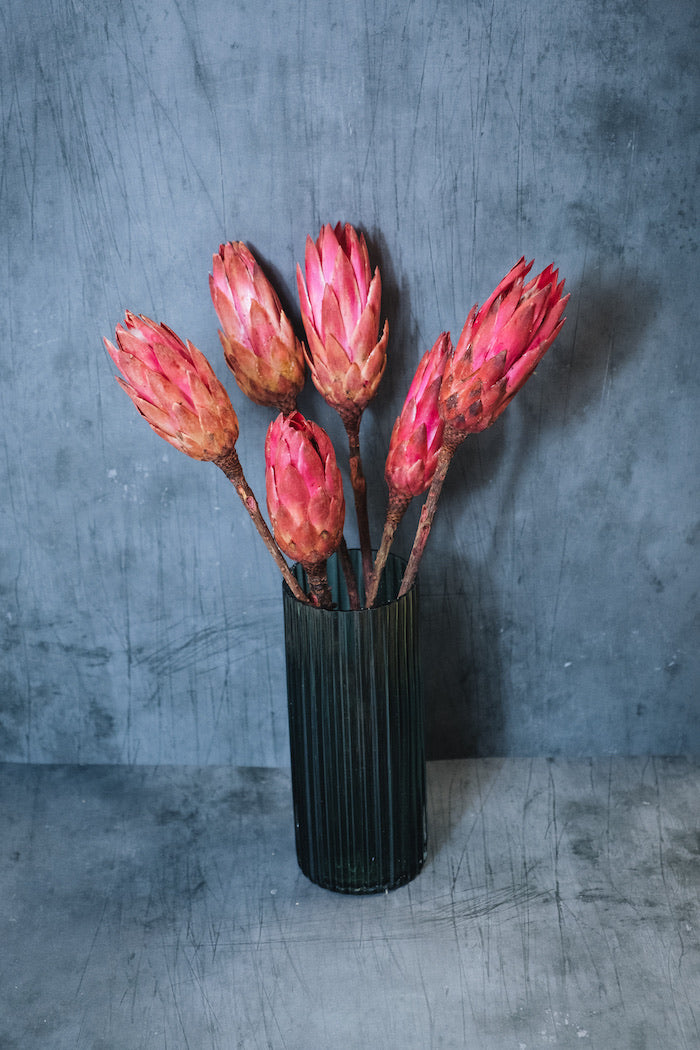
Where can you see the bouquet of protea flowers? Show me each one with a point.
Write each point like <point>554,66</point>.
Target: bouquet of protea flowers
<point>456,391</point>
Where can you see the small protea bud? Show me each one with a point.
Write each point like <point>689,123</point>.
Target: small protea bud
<point>257,337</point>
<point>340,307</point>
<point>417,434</point>
<point>500,346</point>
<point>415,444</point>
<point>174,388</point>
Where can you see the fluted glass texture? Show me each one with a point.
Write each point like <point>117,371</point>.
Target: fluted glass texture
<point>356,725</point>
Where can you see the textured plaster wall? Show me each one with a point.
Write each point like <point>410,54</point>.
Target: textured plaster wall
<point>140,614</point>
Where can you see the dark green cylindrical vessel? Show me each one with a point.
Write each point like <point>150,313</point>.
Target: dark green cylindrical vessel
<point>357,736</point>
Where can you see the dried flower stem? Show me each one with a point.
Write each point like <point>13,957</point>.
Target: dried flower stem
<point>349,574</point>
<point>231,466</point>
<point>287,404</point>
<point>395,512</point>
<point>359,488</point>
<point>426,517</point>
<point>317,576</point>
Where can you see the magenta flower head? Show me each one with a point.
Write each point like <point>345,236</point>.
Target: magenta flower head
<point>174,388</point>
<point>257,337</point>
<point>340,305</point>
<point>304,489</point>
<point>499,348</point>
<point>417,434</point>
<point>414,448</point>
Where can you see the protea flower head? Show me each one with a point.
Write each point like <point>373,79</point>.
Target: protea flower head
<point>304,489</point>
<point>417,434</point>
<point>174,388</point>
<point>340,304</point>
<point>257,337</point>
<point>499,347</point>
<point>416,441</point>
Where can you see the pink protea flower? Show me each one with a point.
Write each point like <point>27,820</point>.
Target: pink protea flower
<point>340,304</point>
<point>304,495</point>
<point>414,448</point>
<point>417,434</point>
<point>257,337</point>
<point>174,388</point>
<point>499,348</point>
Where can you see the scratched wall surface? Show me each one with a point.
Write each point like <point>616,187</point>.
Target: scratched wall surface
<point>141,616</point>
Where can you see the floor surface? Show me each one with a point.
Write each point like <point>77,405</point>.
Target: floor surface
<point>145,907</point>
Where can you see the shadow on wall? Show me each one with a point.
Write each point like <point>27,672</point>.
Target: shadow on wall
<point>466,643</point>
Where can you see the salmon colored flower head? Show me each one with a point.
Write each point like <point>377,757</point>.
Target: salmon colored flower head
<point>256,335</point>
<point>174,388</point>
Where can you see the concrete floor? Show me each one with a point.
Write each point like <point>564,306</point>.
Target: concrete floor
<point>146,907</point>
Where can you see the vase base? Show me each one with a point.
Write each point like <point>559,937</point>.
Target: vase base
<point>366,889</point>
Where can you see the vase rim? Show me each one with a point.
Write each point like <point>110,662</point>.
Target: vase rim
<point>395,559</point>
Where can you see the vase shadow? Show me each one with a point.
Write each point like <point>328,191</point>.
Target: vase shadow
<point>456,790</point>
<point>461,673</point>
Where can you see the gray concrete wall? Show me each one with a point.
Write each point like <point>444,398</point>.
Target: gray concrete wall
<point>141,616</point>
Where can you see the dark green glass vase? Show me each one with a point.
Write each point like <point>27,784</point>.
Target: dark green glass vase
<point>357,739</point>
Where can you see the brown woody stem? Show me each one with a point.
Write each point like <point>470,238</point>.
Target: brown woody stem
<point>287,404</point>
<point>395,512</point>
<point>426,517</point>
<point>317,576</point>
<point>231,466</point>
<point>359,488</point>
<point>348,573</point>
